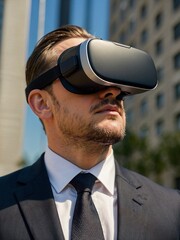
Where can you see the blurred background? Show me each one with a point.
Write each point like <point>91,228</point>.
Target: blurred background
<point>152,142</point>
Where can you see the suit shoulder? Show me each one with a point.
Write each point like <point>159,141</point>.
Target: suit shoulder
<point>138,180</point>
<point>9,180</point>
<point>25,174</point>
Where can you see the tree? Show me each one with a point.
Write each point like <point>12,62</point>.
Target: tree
<point>170,148</point>
<point>137,154</point>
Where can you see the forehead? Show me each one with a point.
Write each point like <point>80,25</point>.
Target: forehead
<point>71,42</point>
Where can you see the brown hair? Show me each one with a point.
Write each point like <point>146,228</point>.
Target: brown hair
<point>43,57</point>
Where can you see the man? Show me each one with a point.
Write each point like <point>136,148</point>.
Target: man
<point>39,202</point>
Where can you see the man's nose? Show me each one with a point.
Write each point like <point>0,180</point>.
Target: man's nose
<point>111,92</point>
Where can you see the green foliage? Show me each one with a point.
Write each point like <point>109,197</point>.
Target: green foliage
<point>137,154</point>
<point>170,147</point>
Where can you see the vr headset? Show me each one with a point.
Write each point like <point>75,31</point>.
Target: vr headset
<point>96,64</point>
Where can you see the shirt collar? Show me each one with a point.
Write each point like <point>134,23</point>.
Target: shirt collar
<point>61,171</point>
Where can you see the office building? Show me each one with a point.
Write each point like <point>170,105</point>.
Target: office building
<point>153,26</point>
<point>13,27</point>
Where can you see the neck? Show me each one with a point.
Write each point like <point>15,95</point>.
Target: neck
<point>85,155</point>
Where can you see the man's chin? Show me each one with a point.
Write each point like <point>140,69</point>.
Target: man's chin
<point>109,142</point>
<point>111,126</point>
<point>107,137</point>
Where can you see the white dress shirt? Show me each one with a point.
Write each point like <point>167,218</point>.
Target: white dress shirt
<point>104,194</point>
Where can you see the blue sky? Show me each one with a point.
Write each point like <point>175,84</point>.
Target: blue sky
<point>34,137</point>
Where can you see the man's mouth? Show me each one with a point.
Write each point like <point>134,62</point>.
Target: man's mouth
<point>111,109</point>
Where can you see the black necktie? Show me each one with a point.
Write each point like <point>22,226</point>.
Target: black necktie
<point>86,223</point>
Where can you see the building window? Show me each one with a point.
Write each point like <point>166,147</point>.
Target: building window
<point>143,11</point>
<point>123,10</point>
<point>160,74</point>
<point>158,20</point>
<point>129,116</point>
<point>132,26</point>
<point>177,122</point>
<point>176,4</point>
<point>177,91</point>
<point>159,47</point>
<point>114,5</point>
<point>160,101</point>
<point>159,127</point>
<point>144,107</point>
<point>122,37</point>
<point>132,3</point>
<point>177,61</point>
<point>113,27</point>
<point>144,131</point>
<point>176,31</point>
<point>144,36</point>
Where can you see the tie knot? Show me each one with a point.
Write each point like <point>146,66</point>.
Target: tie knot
<point>83,182</point>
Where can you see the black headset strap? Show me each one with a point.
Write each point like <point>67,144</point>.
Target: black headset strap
<point>43,80</point>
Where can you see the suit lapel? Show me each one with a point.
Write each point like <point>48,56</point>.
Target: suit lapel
<point>132,213</point>
<point>37,205</point>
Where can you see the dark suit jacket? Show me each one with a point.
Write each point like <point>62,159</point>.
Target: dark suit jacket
<point>146,211</point>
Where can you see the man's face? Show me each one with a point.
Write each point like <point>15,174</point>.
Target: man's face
<point>97,117</point>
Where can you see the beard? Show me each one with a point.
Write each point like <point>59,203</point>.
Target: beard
<point>82,132</point>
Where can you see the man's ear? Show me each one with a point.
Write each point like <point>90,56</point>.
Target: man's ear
<point>39,102</point>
